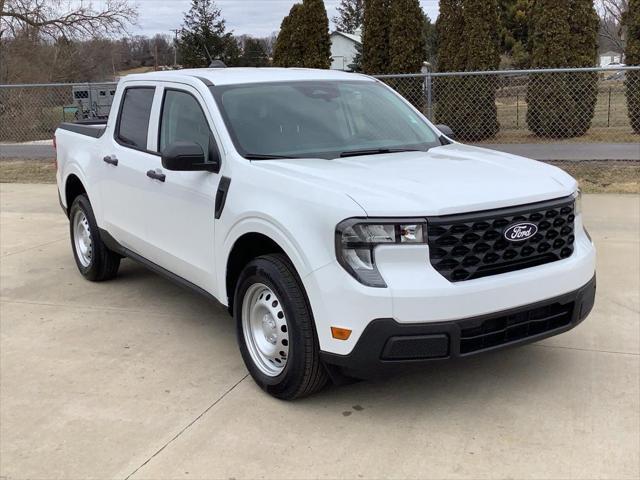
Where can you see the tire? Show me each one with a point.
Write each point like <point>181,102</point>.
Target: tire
<point>299,372</point>
<point>94,260</point>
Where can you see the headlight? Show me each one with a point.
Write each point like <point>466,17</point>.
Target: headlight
<point>356,240</point>
<point>577,210</point>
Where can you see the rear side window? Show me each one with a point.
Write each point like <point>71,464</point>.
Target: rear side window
<point>135,112</point>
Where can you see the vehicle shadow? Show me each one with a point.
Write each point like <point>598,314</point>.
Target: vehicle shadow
<point>442,385</point>
<point>450,385</point>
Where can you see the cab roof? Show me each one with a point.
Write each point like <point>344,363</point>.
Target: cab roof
<point>234,76</point>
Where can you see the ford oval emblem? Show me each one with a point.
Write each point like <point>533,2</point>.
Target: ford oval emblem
<point>519,232</point>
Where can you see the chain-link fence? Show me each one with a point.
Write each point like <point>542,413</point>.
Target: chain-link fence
<point>33,112</point>
<point>530,106</point>
<point>510,106</point>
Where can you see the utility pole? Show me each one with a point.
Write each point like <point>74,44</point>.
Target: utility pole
<point>175,31</point>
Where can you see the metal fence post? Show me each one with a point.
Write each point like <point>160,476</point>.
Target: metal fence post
<point>609,110</point>
<point>428,86</point>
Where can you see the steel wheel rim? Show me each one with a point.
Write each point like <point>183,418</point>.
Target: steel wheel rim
<point>265,329</point>
<point>82,238</point>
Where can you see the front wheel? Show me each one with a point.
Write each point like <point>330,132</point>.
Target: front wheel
<point>275,329</point>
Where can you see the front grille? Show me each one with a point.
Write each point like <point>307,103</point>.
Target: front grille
<point>467,246</point>
<point>508,328</point>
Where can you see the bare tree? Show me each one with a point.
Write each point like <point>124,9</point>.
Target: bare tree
<point>611,26</point>
<point>66,18</point>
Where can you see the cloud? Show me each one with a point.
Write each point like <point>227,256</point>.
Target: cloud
<point>252,17</point>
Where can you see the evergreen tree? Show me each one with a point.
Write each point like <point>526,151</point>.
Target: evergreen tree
<point>449,28</point>
<point>304,39</point>
<point>407,48</point>
<point>350,16</point>
<point>231,57</point>
<point>562,34</point>
<point>375,37</point>
<point>514,34</point>
<point>254,54</point>
<point>204,34</point>
<point>468,41</point>
<point>317,42</point>
<point>481,52</point>
<point>406,39</point>
<point>288,48</point>
<point>356,66</point>
<point>480,36</point>
<point>632,57</point>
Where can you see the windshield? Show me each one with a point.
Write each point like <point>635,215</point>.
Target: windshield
<point>320,119</point>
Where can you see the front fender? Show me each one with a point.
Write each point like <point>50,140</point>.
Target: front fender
<point>298,215</point>
<point>270,228</point>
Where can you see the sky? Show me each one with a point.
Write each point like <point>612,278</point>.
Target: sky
<point>257,18</point>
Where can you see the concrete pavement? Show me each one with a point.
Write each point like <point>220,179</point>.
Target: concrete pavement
<point>570,151</point>
<point>139,378</point>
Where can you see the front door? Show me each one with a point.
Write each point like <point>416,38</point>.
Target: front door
<point>181,218</point>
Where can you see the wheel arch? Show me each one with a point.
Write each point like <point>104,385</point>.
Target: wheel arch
<point>73,187</point>
<point>246,247</point>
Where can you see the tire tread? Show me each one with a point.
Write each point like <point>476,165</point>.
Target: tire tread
<point>108,262</point>
<point>314,376</point>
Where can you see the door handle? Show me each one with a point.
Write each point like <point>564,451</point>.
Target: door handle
<point>110,160</point>
<point>156,175</point>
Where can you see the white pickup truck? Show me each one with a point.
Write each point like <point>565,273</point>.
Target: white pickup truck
<point>346,234</point>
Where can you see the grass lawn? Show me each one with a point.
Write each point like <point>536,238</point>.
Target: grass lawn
<point>27,171</point>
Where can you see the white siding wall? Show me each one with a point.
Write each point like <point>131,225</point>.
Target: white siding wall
<point>343,52</point>
<point>609,58</point>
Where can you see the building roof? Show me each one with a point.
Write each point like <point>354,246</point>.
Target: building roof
<point>235,76</point>
<point>351,36</point>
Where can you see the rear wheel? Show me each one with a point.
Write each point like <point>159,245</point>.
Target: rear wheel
<point>94,260</point>
<point>275,329</point>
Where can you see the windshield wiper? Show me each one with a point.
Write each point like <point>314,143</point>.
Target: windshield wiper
<point>260,156</point>
<point>377,151</point>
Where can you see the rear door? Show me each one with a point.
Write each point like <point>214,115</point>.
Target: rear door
<point>181,219</point>
<point>126,188</point>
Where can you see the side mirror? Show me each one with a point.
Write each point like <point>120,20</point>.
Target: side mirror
<point>187,157</point>
<point>446,130</point>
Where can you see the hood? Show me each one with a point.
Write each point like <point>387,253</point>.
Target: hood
<point>445,180</point>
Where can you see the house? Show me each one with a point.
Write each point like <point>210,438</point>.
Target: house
<point>610,57</point>
<point>343,49</point>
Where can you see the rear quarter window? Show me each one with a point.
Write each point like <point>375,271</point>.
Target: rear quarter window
<point>133,122</point>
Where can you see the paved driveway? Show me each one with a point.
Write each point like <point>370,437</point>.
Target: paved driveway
<point>139,378</point>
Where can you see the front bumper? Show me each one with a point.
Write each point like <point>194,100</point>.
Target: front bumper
<point>418,294</point>
<point>386,344</point>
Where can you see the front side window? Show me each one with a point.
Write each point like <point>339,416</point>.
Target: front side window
<point>325,119</point>
<point>133,126</point>
<point>183,120</point>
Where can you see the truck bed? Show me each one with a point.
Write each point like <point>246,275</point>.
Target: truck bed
<point>90,128</point>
